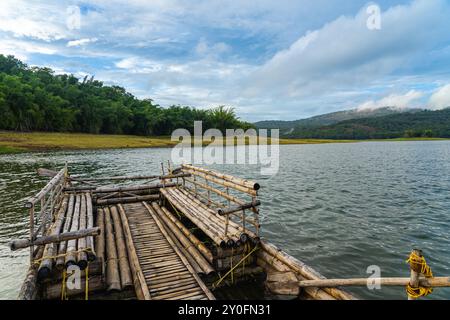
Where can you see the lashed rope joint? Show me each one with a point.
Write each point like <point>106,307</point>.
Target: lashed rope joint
<point>418,264</point>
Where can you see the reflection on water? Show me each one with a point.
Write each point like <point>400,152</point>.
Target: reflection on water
<point>338,207</point>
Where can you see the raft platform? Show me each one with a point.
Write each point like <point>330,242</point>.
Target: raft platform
<point>188,233</point>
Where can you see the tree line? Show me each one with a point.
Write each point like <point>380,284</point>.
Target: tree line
<point>406,124</point>
<point>37,99</point>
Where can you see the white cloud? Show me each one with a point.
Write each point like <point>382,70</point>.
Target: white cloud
<point>400,101</point>
<point>81,42</point>
<point>345,53</point>
<point>441,98</point>
<point>214,50</point>
<point>24,19</point>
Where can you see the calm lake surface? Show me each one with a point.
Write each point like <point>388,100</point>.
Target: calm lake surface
<point>338,207</point>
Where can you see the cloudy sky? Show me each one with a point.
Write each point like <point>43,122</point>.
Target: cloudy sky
<point>268,59</point>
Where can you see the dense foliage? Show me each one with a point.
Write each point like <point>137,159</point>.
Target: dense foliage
<point>407,124</point>
<point>36,99</point>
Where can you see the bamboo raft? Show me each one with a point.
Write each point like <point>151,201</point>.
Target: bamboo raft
<point>188,233</point>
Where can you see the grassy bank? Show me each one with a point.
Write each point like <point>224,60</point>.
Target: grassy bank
<point>14,142</point>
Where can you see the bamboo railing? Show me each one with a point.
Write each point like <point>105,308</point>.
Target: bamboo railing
<point>232,198</point>
<point>42,207</point>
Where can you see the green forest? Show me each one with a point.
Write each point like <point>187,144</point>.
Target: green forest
<point>37,99</point>
<point>415,124</point>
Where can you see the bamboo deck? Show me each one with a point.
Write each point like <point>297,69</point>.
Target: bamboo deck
<point>194,235</point>
<point>166,275</point>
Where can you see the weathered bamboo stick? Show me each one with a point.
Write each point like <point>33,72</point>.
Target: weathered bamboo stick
<point>360,282</point>
<point>139,282</point>
<point>210,232</point>
<point>200,246</point>
<point>50,249</point>
<point>234,209</point>
<point>50,185</point>
<point>150,197</point>
<point>71,256</point>
<point>90,223</point>
<point>239,181</point>
<point>134,188</point>
<point>112,267</point>
<point>124,268</point>
<point>235,232</point>
<point>100,240</point>
<point>221,182</point>
<point>207,218</point>
<point>67,225</point>
<point>204,211</point>
<point>188,256</point>
<point>82,260</point>
<point>68,236</point>
<point>187,244</point>
<point>301,268</point>
<point>182,257</point>
<point>160,177</point>
<point>216,191</point>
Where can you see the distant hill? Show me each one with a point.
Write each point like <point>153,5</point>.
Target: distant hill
<point>287,127</point>
<point>423,123</point>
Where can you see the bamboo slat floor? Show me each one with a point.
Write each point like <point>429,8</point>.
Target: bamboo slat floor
<point>166,275</point>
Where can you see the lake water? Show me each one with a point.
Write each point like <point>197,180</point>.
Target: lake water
<point>338,207</point>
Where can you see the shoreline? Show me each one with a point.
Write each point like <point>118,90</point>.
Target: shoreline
<point>20,142</point>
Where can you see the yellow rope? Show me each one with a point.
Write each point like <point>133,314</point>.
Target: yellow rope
<point>419,264</point>
<point>63,286</point>
<point>38,261</point>
<point>232,269</point>
<point>86,291</point>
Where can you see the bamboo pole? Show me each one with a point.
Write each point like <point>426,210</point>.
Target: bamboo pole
<point>206,216</point>
<point>215,190</point>
<point>200,246</point>
<point>112,267</point>
<point>139,282</point>
<point>71,256</point>
<point>100,240</point>
<point>234,209</point>
<point>221,182</point>
<point>160,177</point>
<point>68,236</point>
<point>150,197</point>
<point>50,249</point>
<point>124,268</point>
<point>182,257</point>
<point>360,282</point>
<point>414,280</point>
<point>50,185</point>
<point>82,261</point>
<point>210,232</point>
<point>134,188</point>
<point>301,268</point>
<point>242,182</point>
<point>187,244</point>
<point>188,256</point>
<point>235,232</point>
<point>90,223</point>
<point>67,225</point>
